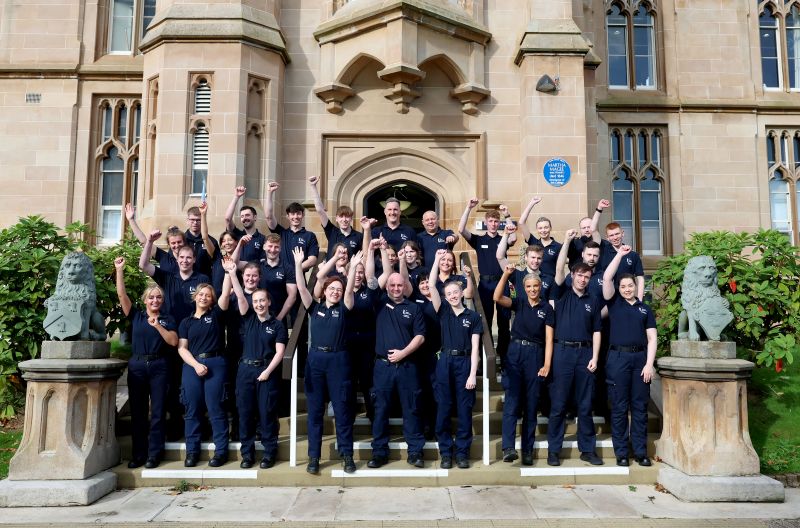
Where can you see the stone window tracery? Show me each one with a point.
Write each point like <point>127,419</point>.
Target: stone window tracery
<point>783,163</point>
<point>779,37</point>
<point>631,44</point>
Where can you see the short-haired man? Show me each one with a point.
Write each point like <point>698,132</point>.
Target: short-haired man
<point>533,264</point>
<point>590,255</point>
<point>490,271</point>
<point>253,251</point>
<point>193,235</point>
<point>342,232</point>
<point>631,263</point>
<point>394,232</point>
<point>577,333</point>
<point>543,229</point>
<point>586,233</point>
<point>433,238</point>
<point>295,236</point>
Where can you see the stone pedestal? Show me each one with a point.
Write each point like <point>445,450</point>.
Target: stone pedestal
<point>69,422</point>
<point>705,436</point>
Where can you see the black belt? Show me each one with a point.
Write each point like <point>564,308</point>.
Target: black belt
<point>453,352</point>
<point>576,344</point>
<point>491,277</point>
<point>382,358</point>
<point>524,342</point>
<point>324,349</point>
<point>206,355</point>
<point>146,357</point>
<point>637,348</point>
<point>256,362</point>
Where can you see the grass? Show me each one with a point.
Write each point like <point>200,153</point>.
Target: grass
<point>9,440</point>
<point>774,415</point>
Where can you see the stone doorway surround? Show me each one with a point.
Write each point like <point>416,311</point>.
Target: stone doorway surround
<point>452,167</point>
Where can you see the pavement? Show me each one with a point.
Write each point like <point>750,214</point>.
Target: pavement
<point>390,507</point>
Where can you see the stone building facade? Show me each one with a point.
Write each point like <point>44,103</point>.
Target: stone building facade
<point>685,113</point>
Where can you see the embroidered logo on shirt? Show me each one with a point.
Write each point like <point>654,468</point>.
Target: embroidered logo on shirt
<point>405,313</point>
<point>269,330</point>
<point>588,307</point>
<point>192,289</point>
<point>335,313</point>
<point>441,240</point>
<point>162,322</point>
<point>551,252</point>
<point>403,236</point>
<point>279,275</point>
<point>642,310</point>
<point>540,314</point>
<point>257,244</point>
<point>629,261</point>
<point>363,295</point>
<point>466,323</point>
<point>301,242</point>
<point>207,319</point>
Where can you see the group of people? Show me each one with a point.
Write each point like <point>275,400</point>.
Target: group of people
<point>386,318</point>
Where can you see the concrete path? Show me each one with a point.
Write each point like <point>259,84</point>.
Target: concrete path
<point>550,506</point>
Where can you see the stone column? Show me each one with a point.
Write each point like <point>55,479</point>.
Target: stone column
<point>705,438</point>
<point>69,439</point>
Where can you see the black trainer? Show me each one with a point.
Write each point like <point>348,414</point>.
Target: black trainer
<point>623,461</point>
<point>267,462</point>
<point>191,460</point>
<point>527,458</point>
<point>643,461</point>
<point>218,460</point>
<point>152,463</point>
<point>553,460</point>
<point>592,458</point>
<point>136,462</point>
<point>446,463</point>
<point>349,464</point>
<point>246,463</point>
<point>510,454</point>
<point>313,466</point>
<point>416,460</point>
<point>377,461</point>
<point>462,463</point>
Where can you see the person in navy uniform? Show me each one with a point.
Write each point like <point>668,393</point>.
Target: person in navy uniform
<point>529,359</point>
<point>201,347</point>
<point>411,261</point>
<point>629,367</point>
<point>433,238</point>
<point>586,233</point>
<point>203,245</point>
<point>533,262</point>
<point>264,341</point>
<point>253,250</point>
<point>328,374</point>
<point>456,369</point>
<point>402,332</point>
<point>543,229</point>
<point>615,236</point>
<point>153,338</point>
<point>393,231</point>
<point>490,272</point>
<point>341,232</point>
<point>277,277</point>
<point>294,236</point>
<point>229,249</point>
<point>577,333</point>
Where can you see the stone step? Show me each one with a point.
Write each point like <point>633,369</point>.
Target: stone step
<point>395,473</point>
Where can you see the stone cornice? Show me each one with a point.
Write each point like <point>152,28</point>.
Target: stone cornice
<point>216,23</point>
<point>424,12</point>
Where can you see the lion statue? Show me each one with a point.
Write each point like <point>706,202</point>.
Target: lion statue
<point>706,312</point>
<point>72,310</point>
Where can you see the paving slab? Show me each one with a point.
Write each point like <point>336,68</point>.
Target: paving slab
<point>490,502</point>
<point>558,502</point>
<point>316,504</point>
<point>118,506</point>
<point>606,501</point>
<point>389,504</point>
<point>225,504</point>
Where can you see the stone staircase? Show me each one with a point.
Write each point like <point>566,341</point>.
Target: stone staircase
<point>398,472</point>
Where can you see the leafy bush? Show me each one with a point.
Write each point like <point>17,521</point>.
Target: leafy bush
<point>759,274</point>
<point>30,256</point>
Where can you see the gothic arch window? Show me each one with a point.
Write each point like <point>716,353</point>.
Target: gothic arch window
<point>116,164</point>
<point>783,162</point>
<point>631,44</point>
<point>779,36</point>
<point>637,187</point>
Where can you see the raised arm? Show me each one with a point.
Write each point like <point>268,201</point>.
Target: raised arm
<point>403,268</point>
<point>124,301</point>
<point>210,249</point>
<point>327,267</point>
<point>130,214</point>
<point>462,224</point>
<point>561,262</point>
<point>369,267</point>
<point>238,192</point>
<point>469,291</point>
<point>269,211</point>
<point>498,296</point>
<point>602,205</point>
<point>433,278</point>
<point>144,259</point>
<point>302,289</point>
<point>319,206</point>
<point>611,270</point>
<point>523,218</point>
<point>385,263</point>
<point>241,299</point>
<point>502,246</point>
<point>349,300</point>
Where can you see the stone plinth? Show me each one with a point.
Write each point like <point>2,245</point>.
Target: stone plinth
<point>703,349</point>
<point>705,437</point>
<point>75,350</point>
<point>69,419</point>
<point>22,493</point>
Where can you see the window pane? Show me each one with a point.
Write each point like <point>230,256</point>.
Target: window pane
<point>793,46</point>
<point>779,205</point>
<point>113,176</point>
<point>644,49</point>
<point>148,12</point>
<point>622,197</point>
<point>132,192</point>
<point>108,119</point>
<point>768,25</point>
<point>641,151</point>
<point>121,25</point>
<point>137,122</point>
<point>615,144</point>
<point>112,224</point>
<point>122,125</point>
<point>784,149</point>
<point>617,32</point>
<point>629,148</point>
<point>655,150</point>
<point>199,160</point>
<point>651,216</point>
<point>770,150</point>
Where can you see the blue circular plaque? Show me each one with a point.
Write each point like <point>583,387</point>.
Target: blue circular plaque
<point>556,172</point>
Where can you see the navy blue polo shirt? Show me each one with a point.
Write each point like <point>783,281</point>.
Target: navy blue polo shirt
<point>360,319</point>
<point>259,337</point>
<point>204,333</point>
<point>595,286</point>
<point>530,321</point>
<point>202,263</point>
<point>399,323</point>
<point>630,263</point>
<point>518,280</point>
<point>577,317</point>
<point>457,330</point>
<point>575,251</point>
<point>352,241</point>
<point>629,322</point>
<point>302,238</point>
<point>274,279</point>
<point>253,251</point>
<point>218,274</point>
<point>395,237</point>
<point>486,249</point>
<point>429,243</point>
<point>433,328</point>
<point>178,292</point>
<point>167,261</point>
<point>414,275</point>
<point>454,277</point>
<point>146,339</point>
<point>327,324</point>
<point>549,257</point>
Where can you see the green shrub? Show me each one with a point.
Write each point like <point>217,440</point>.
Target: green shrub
<point>759,274</point>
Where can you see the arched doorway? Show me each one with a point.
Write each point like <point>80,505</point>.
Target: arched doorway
<point>414,201</point>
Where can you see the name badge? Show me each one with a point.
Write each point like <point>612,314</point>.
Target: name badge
<point>484,246</point>
<point>389,306</point>
<point>320,314</point>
